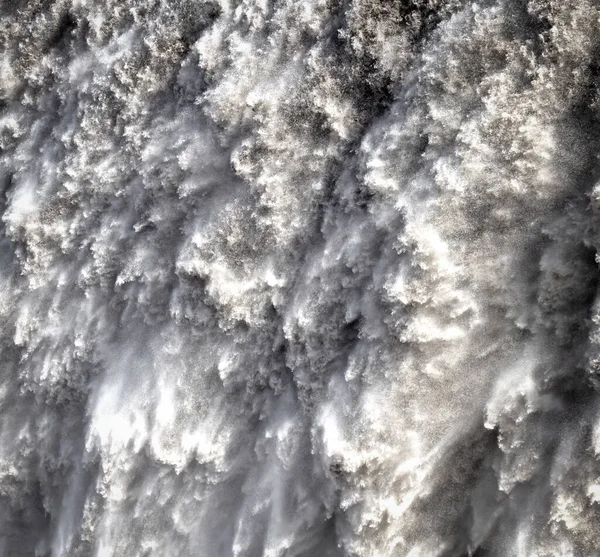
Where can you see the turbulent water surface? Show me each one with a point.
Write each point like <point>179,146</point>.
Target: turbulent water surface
<point>299,278</point>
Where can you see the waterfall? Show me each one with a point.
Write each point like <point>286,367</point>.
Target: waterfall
<point>299,278</point>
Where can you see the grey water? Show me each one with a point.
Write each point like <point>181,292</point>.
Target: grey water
<point>299,278</point>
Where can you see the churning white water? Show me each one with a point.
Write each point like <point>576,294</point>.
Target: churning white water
<point>299,278</point>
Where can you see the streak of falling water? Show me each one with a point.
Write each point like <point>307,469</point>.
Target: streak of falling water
<point>299,278</point>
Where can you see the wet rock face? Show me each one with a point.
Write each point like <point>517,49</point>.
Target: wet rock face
<point>299,278</point>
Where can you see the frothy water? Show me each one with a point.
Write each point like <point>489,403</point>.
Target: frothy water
<point>305,278</point>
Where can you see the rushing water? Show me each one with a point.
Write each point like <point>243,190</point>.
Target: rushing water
<point>299,278</point>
